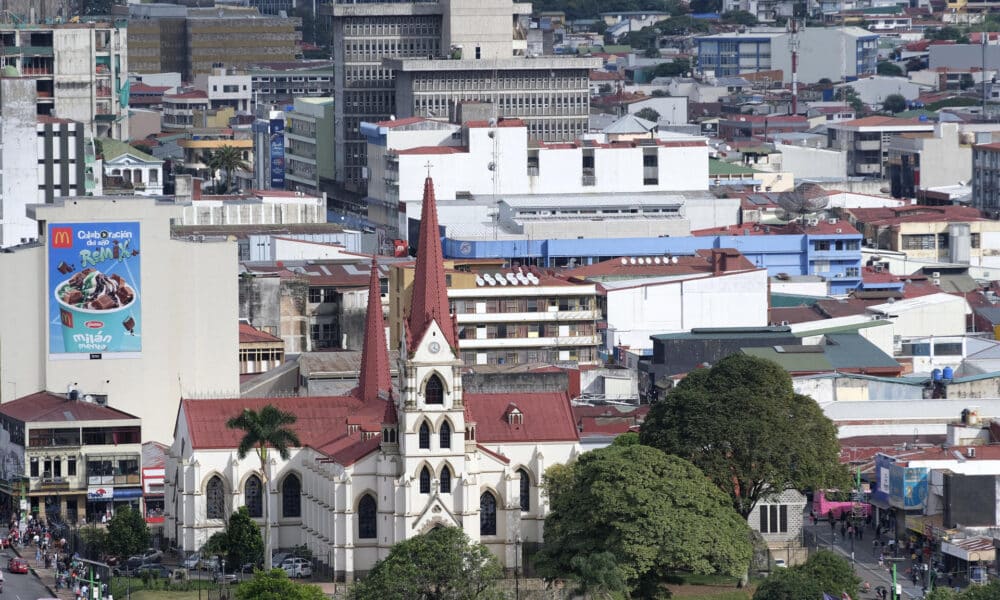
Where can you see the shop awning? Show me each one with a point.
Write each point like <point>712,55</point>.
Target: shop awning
<point>974,549</point>
<point>123,493</point>
<point>925,524</point>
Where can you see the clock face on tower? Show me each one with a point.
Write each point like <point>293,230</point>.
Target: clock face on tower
<point>434,347</point>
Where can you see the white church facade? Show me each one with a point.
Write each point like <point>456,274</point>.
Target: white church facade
<point>386,462</point>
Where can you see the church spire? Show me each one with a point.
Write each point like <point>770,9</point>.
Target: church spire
<point>374,376</point>
<point>430,292</point>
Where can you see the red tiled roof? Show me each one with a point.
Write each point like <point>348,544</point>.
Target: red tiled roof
<point>824,227</point>
<point>794,314</point>
<point>51,119</point>
<point>883,121</point>
<point>430,293</point>
<point>142,88</point>
<point>685,265</point>
<point>194,95</point>
<point>547,417</point>
<point>502,122</point>
<point>250,334</point>
<point>47,406</point>
<point>601,75</point>
<point>891,215</point>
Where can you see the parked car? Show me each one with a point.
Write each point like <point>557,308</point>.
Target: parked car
<point>17,565</point>
<point>279,558</point>
<point>134,562</point>
<point>297,567</point>
<point>192,560</point>
<point>155,570</point>
<point>219,577</point>
<point>209,563</point>
<point>152,555</point>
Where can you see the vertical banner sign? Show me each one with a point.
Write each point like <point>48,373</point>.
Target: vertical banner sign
<point>93,284</point>
<point>277,154</point>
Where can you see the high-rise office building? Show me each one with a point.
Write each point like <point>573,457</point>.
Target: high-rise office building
<point>408,58</point>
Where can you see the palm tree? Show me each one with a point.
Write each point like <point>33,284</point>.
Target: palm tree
<point>262,430</point>
<point>228,159</point>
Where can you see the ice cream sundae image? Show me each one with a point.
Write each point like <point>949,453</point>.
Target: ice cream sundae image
<point>94,290</point>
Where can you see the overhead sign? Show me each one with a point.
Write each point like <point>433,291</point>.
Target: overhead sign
<point>93,274</point>
<point>100,492</point>
<point>277,151</point>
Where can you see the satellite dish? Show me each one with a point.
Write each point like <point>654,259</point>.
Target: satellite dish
<point>631,260</point>
<point>674,260</point>
<point>657,260</point>
<point>624,261</point>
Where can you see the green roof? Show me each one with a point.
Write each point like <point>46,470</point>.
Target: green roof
<point>728,333</point>
<point>793,360</point>
<point>112,149</point>
<point>792,300</point>
<point>718,167</point>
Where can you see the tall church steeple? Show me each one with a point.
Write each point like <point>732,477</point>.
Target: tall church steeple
<point>430,292</point>
<point>374,376</point>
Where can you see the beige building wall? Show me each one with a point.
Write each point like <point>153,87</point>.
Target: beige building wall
<point>189,320</point>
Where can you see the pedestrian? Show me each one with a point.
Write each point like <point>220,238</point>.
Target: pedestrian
<point>874,547</point>
<point>829,515</point>
<point>881,559</point>
<point>843,530</point>
<point>861,533</point>
<point>833,524</point>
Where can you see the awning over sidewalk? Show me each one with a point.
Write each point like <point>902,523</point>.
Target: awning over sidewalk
<point>970,549</point>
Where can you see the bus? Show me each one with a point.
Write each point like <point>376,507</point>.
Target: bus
<point>839,502</point>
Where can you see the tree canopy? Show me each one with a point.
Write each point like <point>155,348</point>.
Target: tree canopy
<point>990,591</point>
<point>743,425</point>
<point>228,159</point>
<point>440,564</point>
<point>623,517</point>
<point>894,103</point>
<point>678,66</point>
<point>127,532</point>
<point>823,572</point>
<point>275,585</point>
<point>243,541</point>
<point>649,114</point>
<point>889,69</point>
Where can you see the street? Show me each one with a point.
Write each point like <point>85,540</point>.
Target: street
<point>865,561</point>
<point>20,587</point>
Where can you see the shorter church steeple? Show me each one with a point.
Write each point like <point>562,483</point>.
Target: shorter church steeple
<point>374,381</point>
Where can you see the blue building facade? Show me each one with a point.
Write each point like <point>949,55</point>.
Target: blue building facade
<point>834,256</point>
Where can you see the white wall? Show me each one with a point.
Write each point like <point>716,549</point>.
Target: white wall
<point>807,162</point>
<point>189,321</point>
<point>937,315</point>
<point>19,146</point>
<point>672,109</point>
<point>635,313</point>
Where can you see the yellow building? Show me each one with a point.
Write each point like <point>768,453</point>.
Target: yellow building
<point>509,316</point>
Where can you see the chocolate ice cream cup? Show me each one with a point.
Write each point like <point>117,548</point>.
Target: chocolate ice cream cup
<point>93,331</point>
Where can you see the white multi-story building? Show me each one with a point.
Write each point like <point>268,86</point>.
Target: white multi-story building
<point>225,88</point>
<point>177,335</point>
<point>80,71</point>
<point>495,160</point>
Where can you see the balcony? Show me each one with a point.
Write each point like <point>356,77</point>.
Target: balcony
<point>589,178</point>
<point>562,316</point>
<point>868,145</point>
<point>562,342</point>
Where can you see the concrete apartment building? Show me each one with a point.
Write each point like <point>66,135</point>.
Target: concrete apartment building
<point>866,141</point>
<point>838,54</point>
<point>43,158</point>
<point>173,38</point>
<point>413,58</point>
<point>309,150</point>
<point>986,178</point>
<point>281,83</point>
<point>921,161</point>
<point>509,316</point>
<point>80,71</point>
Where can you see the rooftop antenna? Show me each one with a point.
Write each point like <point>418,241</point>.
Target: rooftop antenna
<point>794,44</point>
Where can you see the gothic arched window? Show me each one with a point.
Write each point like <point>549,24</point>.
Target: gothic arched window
<point>434,392</point>
<point>424,436</point>
<point>367,517</point>
<point>446,480</point>
<point>487,514</point>
<point>291,497</point>
<point>445,435</point>
<point>215,499</point>
<point>425,481</point>
<point>253,496</point>
<point>525,490</point>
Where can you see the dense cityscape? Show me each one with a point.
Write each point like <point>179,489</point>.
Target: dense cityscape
<point>490,299</point>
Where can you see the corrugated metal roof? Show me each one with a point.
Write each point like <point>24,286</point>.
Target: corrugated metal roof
<point>47,406</point>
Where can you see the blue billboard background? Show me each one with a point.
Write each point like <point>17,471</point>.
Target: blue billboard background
<point>94,282</point>
<point>277,154</point>
<point>908,486</point>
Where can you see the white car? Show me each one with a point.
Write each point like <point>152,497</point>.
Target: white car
<point>297,567</point>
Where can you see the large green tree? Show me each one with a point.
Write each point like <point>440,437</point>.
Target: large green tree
<point>894,103</point>
<point>244,544</point>
<point>263,432</point>
<point>650,513</point>
<point>127,532</point>
<point>743,425</point>
<point>275,585</point>
<point>227,159</point>
<point>990,591</point>
<point>440,564</point>
<point>823,572</point>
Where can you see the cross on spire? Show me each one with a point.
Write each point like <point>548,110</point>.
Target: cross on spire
<point>429,167</point>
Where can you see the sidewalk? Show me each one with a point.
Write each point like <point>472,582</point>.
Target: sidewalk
<point>47,577</point>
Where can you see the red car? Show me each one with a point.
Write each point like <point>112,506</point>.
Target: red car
<point>17,565</point>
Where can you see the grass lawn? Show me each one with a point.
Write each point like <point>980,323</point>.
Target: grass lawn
<point>164,595</point>
<point>710,587</point>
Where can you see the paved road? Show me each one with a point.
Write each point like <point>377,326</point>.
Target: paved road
<point>20,587</point>
<point>865,562</point>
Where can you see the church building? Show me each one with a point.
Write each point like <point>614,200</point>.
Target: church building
<point>386,462</point>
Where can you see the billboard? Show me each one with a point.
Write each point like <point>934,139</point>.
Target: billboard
<point>277,152</point>
<point>94,290</point>
<point>908,487</point>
